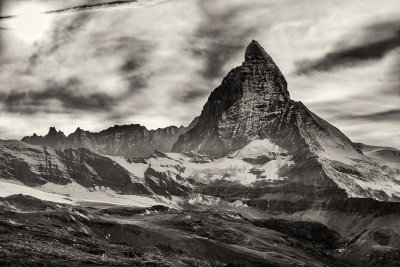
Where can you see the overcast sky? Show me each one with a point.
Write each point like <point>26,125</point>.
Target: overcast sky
<point>93,64</point>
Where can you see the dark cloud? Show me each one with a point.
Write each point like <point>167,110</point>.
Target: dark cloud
<point>136,54</point>
<point>193,95</point>
<point>370,47</point>
<point>76,8</point>
<point>69,94</point>
<point>389,115</point>
<point>221,35</point>
<point>91,6</point>
<point>6,17</point>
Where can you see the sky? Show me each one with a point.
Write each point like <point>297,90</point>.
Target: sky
<point>94,64</point>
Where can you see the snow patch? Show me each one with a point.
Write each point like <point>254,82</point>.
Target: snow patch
<point>79,193</point>
<point>136,170</point>
<point>8,189</point>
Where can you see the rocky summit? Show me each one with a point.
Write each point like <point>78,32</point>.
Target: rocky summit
<point>244,107</point>
<point>256,180</point>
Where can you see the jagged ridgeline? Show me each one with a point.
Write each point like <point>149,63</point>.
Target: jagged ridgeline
<point>256,180</point>
<point>250,117</point>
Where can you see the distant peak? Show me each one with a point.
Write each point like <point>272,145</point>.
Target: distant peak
<point>255,51</point>
<point>52,130</point>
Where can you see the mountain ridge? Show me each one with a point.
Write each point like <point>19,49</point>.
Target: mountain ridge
<point>257,173</point>
<point>130,140</point>
<point>253,103</point>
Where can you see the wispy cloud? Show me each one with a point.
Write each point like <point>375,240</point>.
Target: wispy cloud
<point>66,97</point>
<point>389,115</point>
<point>92,6</point>
<point>221,35</point>
<point>375,42</point>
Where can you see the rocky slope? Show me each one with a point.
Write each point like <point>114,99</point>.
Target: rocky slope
<point>45,167</point>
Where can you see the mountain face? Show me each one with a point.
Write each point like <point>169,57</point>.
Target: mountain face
<point>253,103</point>
<point>244,107</point>
<point>272,143</point>
<point>127,140</point>
<point>256,176</point>
<point>41,165</point>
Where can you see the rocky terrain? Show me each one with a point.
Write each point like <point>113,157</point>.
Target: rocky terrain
<point>35,232</point>
<point>126,140</point>
<point>256,180</point>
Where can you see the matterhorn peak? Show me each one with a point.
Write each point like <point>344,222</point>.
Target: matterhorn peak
<point>255,51</point>
<point>250,97</point>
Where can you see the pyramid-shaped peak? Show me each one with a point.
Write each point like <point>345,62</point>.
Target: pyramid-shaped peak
<point>255,51</point>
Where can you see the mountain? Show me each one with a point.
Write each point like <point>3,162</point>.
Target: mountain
<point>127,140</point>
<point>253,103</point>
<point>81,168</point>
<point>256,180</point>
<point>251,141</point>
<point>244,107</point>
<point>53,139</point>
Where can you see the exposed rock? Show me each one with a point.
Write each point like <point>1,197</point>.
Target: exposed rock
<point>127,140</point>
<point>236,112</point>
<point>253,103</point>
<point>35,166</point>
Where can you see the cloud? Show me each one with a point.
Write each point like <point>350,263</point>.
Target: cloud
<point>67,8</point>
<point>374,43</point>
<point>6,17</point>
<point>92,6</point>
<point>68,95</point>
<point>221,35</point>
<point>61,35</point>
<point>389,115</point>
<point>77,69</point>
<point>193,95</point>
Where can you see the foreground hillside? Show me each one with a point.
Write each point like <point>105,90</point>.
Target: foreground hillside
<point>35,232</point>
